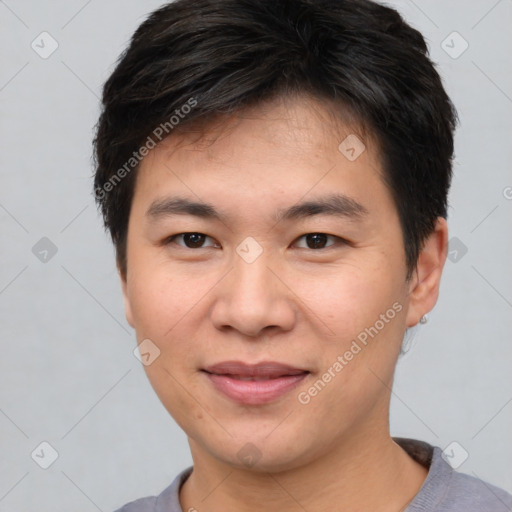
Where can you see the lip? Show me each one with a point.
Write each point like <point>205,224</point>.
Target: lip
<point>269,380</point>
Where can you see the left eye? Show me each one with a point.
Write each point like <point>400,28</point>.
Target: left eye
<point>318,240</point>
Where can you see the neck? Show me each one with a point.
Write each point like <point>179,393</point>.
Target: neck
<point>367,472</point>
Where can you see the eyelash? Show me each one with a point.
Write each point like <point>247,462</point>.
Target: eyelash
<point>338,240</point>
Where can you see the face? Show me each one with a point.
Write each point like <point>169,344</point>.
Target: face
<point>322,290</point>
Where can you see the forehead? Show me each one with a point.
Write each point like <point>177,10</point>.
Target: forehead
<point>297,123</point>
<point>287,149</point>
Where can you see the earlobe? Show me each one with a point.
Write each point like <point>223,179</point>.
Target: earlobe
<point>424,285</point>
<point>126,298</point>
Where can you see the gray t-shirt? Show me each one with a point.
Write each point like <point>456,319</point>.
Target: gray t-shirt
<point>444,489</point>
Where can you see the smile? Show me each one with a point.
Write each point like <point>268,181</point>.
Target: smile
<point>254,384</point>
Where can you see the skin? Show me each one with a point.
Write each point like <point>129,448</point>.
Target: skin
<point>295,304</point>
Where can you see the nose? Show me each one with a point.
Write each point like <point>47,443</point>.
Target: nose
<point>254,299</point>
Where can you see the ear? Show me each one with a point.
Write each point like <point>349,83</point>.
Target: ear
<point>126,298</point>
<point>425,282</point>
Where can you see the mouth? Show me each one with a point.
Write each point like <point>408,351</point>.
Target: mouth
<point>254,384</point>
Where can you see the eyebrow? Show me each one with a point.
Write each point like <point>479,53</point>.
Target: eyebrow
<point>338,205</point>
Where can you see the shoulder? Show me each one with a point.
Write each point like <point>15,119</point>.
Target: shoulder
<point>468,493</point>
<point>166,501</point>
<point>447,490</point>
<point>141,505</point>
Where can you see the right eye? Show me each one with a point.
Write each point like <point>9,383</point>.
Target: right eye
<point>190,240</point>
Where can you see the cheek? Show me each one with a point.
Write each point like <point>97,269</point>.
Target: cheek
<point>363,309</point>
<point>348,298</point>
<point>161,298</point>
<point>169,307</point>
<point>168,383</point>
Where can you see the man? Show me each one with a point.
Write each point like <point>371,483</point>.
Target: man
<point>274,175</point>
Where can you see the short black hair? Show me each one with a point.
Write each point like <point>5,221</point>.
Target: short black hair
<point>192,61</point>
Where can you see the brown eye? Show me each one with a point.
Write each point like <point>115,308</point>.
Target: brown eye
<point>190,240</point>
<point>317,240</point>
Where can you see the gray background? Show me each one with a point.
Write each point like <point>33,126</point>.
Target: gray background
<point>68,373</point>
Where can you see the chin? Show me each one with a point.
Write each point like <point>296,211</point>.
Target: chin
<point>261,455</point>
